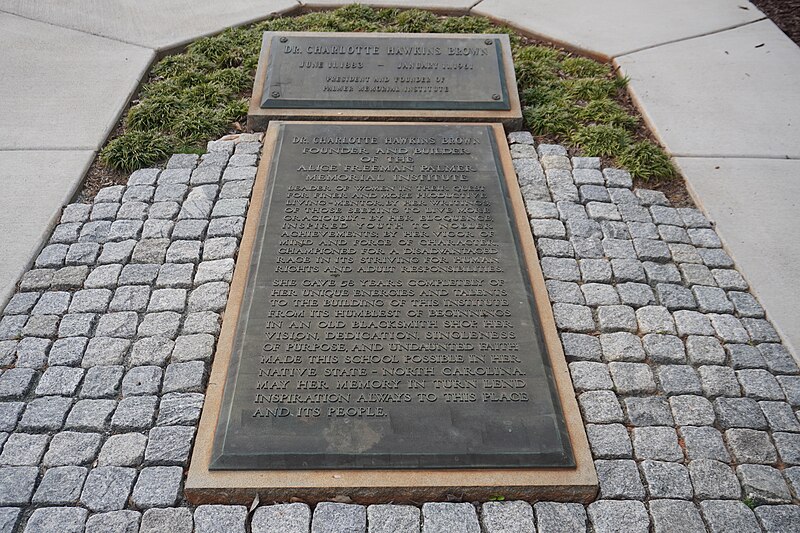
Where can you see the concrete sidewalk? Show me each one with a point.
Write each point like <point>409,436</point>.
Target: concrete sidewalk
<point>715,80</point>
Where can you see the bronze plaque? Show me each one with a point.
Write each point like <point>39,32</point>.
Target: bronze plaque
<point>388,320</point>
<point>385,72</point>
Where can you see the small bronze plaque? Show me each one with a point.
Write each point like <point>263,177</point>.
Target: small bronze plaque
<point>385,72</point>
<point>388,319</point>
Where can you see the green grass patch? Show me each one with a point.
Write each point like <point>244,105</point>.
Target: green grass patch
<point>197,95</point>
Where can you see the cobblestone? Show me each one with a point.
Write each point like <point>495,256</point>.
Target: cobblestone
<point>725,516</point>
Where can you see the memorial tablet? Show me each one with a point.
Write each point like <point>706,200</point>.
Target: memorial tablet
<point>383,315</point>
<point>378,75</point>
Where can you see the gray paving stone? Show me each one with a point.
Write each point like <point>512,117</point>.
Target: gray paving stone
<point>237,207</point>
<point>103,277</point>
<point>617,178</point>
<point>219,248</point>
<point>641,230</point>
<point>184,252</point>
<point>141,381</point>
<point>133,211</point>
<point>174,520</point>
<point>692,323</point>
<point>151,351</point>
<point>122,325</point>
<point>220,519</point>
<point>70,277</point>
<point>704,442</point>
<point>90,415</point>
<point>555,248</point>
<point>44,414</point>
<point>90,301</point>
<point>23,449</point>
<point>201,322</point>
<point>692,410</point>
<point>619,479</point>
<point>553,517</point>
<point>656,443</point>
<point>576,318</point>
<point>226,227</point>
<point>130,298</point>
<point>704,237</point>
<point>713,480</point>
<point>16,484</point>
<point>596,294</point>
<point>126,449</point>
<point>150,251</point>
<point>751,446</point>
<point>610,516</point>
<point>648,411</point>
<point>16,382</point>
<point>581,347</point>
<point>791,388</point>
<point>296,518</point>
<point>238,173</point>
<point>778,358</point>
<point>169,445</point>
<point>32,352</point>
<point>560,269</point>
<point>712,300</point>
<point>125,229</point>
<point>595,270</point>
<point>621,346</point>
<point>583,227</point>
<point>589,375</point>
<point>725,516</point>
<point>171,192</point>
<point>180,409</point>
<point>664,349</point>
<point>666,480</point>
<point>652,250</point>
<point>116,252</point>
<point>102,382</point>
<point>609,441</point>
<point>112,193</point>
<point>184,377</point>
<point>193,348</point>
<point>715,258</point>
<point>114,522</point>
<point>675,297</point>
<point>760,385</point>
<point>564,292</point>
<point>157,486</point>
<point>587,248</point>
<point>780,416</point>
<point>763,484</point>
<point>144,176</point>
<point>602,211</point>
<point>673,234</point>
<point>729,328</point>
<point>667,513</point>
<point>745,304</point>
<point>102,351</point>
<point>175,275</point>
<point>218,270</point>
<point>190,229</point>
<point>632,378</point>
<point>209,297</point>
<point>72,448</point>
<point>436,518</point>
<point>496,517</point>
<point>206,174</point>
<point>696,274</point>
<point>107,488</point>
<point>600,407</point>
<point>655,319</point>
<point>8,352</point>
<point>61,485</point>
<point>739,413</point>
<point>52,255</point>
<point>788,445</point>
<point>729,279</point>
<point>134,412</point>
<point>82,253</point>
<point>661,273</point>
<point>43,326</point>
<point>679,379</point>
<point>613,318</point>
<point>705,350</point>
<point>778,518</point>
<point>163,324</point>
<point>21,303</point>
<point>67,352</point>
<point>9,414</point>
<point>718,381</point>
<point>76,213</point>
<point>57,520</point>
<point>52,303</point>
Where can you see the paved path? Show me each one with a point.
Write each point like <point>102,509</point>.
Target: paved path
<point>714,79</point>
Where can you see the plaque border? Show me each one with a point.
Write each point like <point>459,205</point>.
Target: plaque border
<point>396,485</point>
<point>258,118</point>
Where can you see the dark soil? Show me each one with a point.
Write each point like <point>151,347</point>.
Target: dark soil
<point>785,14</point>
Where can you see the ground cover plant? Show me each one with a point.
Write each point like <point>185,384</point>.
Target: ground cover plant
<point>202,93</point>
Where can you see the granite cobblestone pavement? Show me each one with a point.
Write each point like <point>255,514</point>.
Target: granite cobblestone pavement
<point>690,400</point>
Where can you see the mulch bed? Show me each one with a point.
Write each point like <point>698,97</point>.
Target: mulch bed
<point>785,14</point>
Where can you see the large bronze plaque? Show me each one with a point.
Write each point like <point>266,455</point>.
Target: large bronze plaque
<point>388,319</point>
<point>385,72</point>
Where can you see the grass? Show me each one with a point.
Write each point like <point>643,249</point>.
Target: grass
<point>200,94</point>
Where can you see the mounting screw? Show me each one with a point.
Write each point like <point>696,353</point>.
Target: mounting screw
<point>494,97</point>
<point>284,39</point>
<point>276,94</point>
<point>489,41</point>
